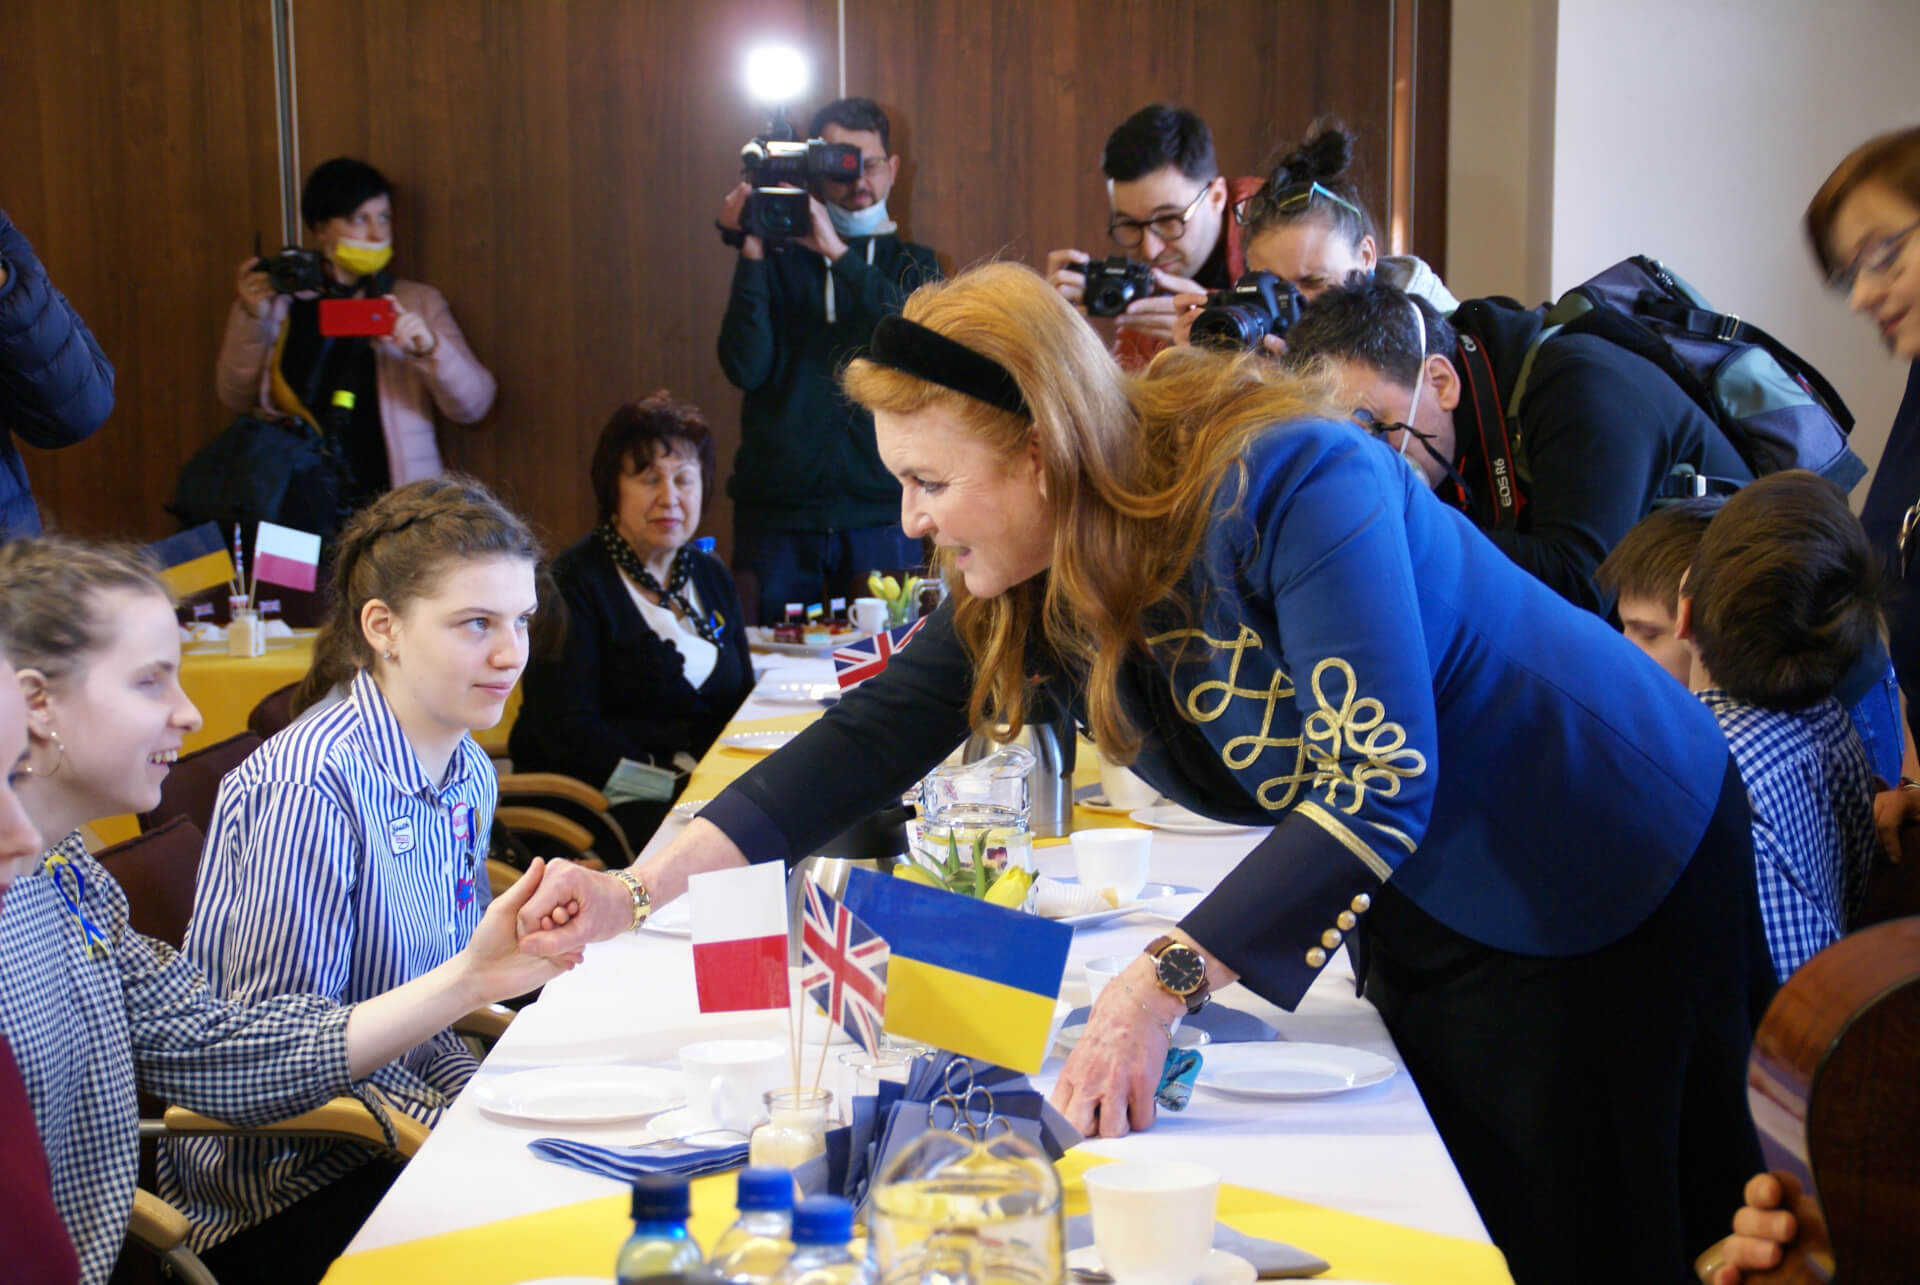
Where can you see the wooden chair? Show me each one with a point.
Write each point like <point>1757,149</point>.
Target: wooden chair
<point>194,782</point>
<point>585,808</point>
<point>274,712</point>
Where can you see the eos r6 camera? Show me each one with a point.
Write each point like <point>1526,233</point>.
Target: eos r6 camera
<point>1259,304</point>
<point>1113,283</point>
<point>781,172</point>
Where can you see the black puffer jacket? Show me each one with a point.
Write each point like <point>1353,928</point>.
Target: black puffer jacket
<point>56,386</point>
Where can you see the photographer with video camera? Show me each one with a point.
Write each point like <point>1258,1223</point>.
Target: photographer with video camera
<point>331,337</point>
<point>812,503</point>
<point>1154,161</point>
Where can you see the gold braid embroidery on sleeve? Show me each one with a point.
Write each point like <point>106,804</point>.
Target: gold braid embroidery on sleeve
<point>1360,726</point>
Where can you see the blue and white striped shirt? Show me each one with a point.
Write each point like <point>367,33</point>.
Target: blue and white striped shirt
<point>1811,792</point>
<point>332,865</point>
<point>89,1027</point>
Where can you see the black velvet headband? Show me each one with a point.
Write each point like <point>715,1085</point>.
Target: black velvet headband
<point>913,349</point>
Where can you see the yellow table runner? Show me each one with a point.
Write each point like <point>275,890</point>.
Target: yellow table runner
<point>584,1239</point>
<point>723,764</point>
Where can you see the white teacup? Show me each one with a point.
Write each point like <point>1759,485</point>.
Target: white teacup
<point>1123,789</point>
<point>1153,1221</point>
<point>728,1080</point>
<point>1115,859</point>
<point>869,615</point>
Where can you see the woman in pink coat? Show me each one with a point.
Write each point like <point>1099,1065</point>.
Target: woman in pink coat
<point>375,392</point>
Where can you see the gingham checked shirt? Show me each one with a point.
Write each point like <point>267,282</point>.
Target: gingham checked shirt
<point>87,1026</point>
<point>333,865</point>
<point>1811,792</point>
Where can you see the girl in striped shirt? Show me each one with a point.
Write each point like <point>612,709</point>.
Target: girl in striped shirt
<point>93,1010</point>
<point>347,855</point>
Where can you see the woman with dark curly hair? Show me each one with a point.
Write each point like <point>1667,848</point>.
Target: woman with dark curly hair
<point>656,657</point>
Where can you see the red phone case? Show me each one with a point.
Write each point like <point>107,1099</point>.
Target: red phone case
<point>342,318</point>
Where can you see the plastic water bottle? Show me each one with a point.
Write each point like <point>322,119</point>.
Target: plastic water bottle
<point>758,1245</point>
<point>660,1244</point>
<point>822,1226</point>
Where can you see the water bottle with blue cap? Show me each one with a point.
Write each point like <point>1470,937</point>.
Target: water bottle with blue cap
<point>660,1244</point>
<point>822,1228</point>
<point>758,1245</point>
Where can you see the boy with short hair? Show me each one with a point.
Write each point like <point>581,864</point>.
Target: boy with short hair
<point>1643,572</point>
<point>1778,603</point>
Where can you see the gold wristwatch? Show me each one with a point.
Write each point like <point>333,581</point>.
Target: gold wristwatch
<point>1181,972</point>
<point>642,901</point>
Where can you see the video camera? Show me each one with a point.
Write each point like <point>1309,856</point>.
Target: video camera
<point>782,171</point>
<point>1258,304</point>
<point>1113,283</point>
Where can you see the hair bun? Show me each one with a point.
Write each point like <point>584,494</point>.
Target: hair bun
<point>1328,150</point>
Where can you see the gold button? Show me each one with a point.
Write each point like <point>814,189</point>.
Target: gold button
<point>1330,938</point>
<point>1316,957</point>
<point>1360,904</point>
<point>1346,920</point>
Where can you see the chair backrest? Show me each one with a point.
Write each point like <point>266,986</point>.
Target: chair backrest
<point>157,871</point>
<point>194,782</point>
<point>274,712</point>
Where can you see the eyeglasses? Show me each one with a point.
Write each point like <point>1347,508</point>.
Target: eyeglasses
<point>1249,208</point>
<point>1908,526</point>
<point>1875,257</point>
<point>1129,233</point>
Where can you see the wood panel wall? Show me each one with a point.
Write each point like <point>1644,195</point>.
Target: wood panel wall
<point>558,164</point>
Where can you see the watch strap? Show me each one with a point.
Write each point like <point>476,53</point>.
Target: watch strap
<point>642,901</point>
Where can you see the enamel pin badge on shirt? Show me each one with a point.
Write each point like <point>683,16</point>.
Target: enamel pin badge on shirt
<point>400,835</point>
<point>462,814</point>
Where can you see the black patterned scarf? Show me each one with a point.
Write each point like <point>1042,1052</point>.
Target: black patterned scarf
<point>672,595</point>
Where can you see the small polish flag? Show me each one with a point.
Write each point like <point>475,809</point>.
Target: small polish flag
<point>739,920</point>
<point>284,556</point>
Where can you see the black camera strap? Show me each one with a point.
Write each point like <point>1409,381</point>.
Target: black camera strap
<point>1497,449</point>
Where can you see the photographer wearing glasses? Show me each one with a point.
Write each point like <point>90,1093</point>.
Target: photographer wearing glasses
<point>811,501</point>
<point>1168,209</point>
<point>1604,428</point>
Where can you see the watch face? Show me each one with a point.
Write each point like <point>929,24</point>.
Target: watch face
<point>1181,969</point>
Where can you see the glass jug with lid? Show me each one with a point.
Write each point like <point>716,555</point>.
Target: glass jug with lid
<point>977,812</point>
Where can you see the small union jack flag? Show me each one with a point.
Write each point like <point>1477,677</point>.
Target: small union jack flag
<point>856,662</point>
<point>846,967</point>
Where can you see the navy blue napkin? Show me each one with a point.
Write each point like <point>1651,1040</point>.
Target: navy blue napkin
<point>624,1164</point>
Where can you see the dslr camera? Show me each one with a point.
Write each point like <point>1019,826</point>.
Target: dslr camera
<point>297,271</point>
<point>777,166</point>
<point>1258,304</point>
<point>1113,283</point>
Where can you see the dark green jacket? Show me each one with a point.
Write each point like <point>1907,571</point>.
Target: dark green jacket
<point>807,461</point>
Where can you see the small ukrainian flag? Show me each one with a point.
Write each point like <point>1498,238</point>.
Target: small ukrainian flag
<point>963,975</point>
<point>195,559</point>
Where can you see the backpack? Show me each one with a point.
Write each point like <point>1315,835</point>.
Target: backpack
<point>1774,407</point>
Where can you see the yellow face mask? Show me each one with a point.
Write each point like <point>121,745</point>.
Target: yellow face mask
<point>361,258</point>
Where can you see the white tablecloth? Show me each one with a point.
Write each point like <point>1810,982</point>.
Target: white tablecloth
<point>1372,1152</point>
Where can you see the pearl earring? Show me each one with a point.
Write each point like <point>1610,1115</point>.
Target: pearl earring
<point>28,769</point>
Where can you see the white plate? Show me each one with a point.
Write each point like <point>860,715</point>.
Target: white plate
<point>671,920</point>
<point>1221,1268</point>
<point>1100,804</point>
<point>687,809</point>
<point>1154,898</point>
<point>678,1123</point>
<point>792,691</point>
<point>760,638</point>
<point>1187,1037</point>
<point>1178,820</point>
<point>1285,1070</point>
<point>580,1094</point>
<point>757,742</point>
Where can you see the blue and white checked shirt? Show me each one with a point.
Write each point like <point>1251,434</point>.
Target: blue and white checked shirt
<point>87,1027</point>
<point>332,865</point>
<point>1811,791</point>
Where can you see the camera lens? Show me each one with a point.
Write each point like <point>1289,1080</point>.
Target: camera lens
<point>1108,298</point>
<point>1231,325</point>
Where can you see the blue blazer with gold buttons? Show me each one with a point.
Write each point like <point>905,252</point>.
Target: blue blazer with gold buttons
<point>1361,669</point>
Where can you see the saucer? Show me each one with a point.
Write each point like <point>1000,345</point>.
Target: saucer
<point>1221,1268</point>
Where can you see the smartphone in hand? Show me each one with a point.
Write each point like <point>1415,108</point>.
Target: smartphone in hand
<point>345,318</point>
